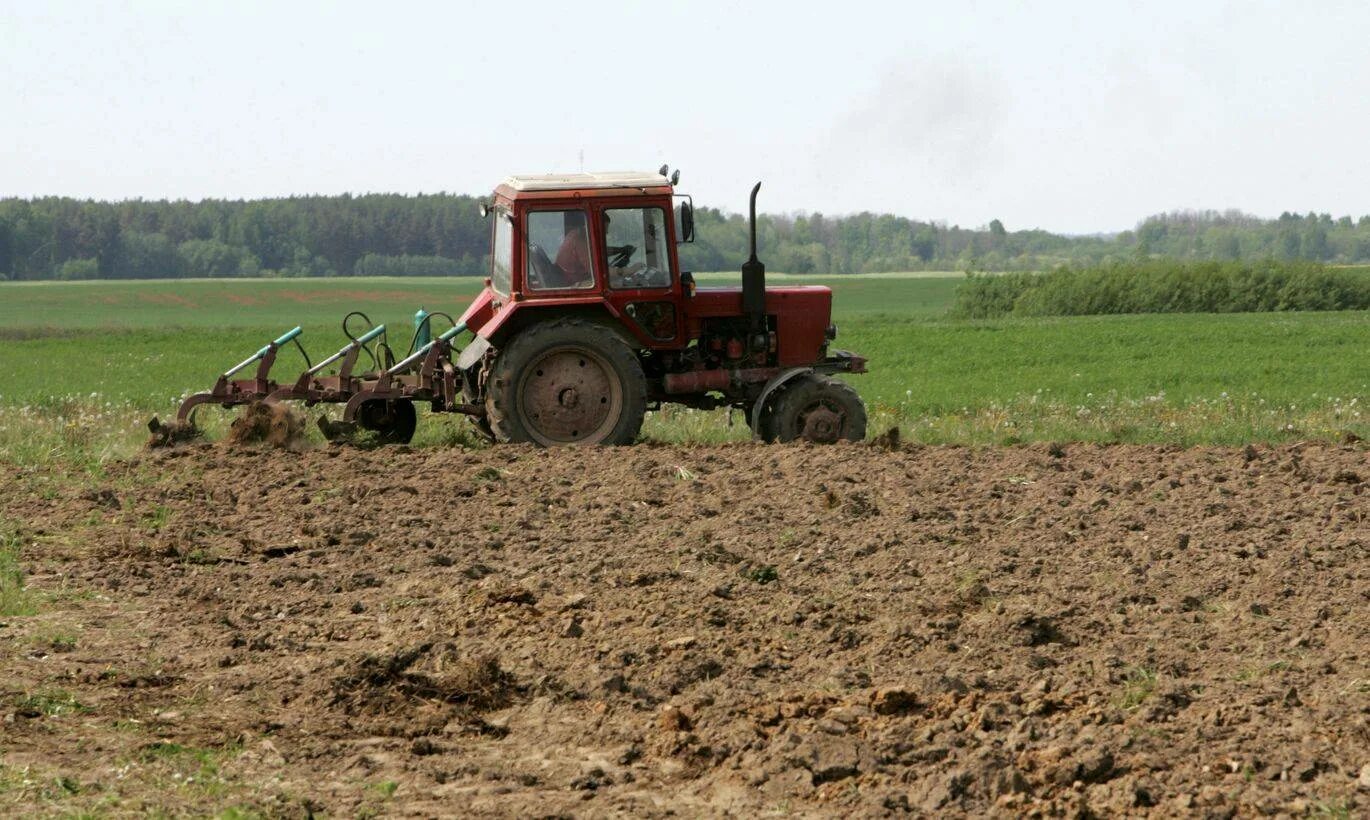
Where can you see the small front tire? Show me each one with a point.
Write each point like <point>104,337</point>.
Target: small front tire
<point>815,408</point>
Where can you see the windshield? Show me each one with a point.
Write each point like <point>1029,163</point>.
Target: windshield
<point>635,248</point>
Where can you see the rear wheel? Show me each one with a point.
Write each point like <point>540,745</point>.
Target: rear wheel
<point>392,420</point>
<point>566,382</point>
<point>815,408</point>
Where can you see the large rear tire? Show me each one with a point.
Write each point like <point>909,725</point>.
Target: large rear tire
<point>815,408</point>
<point>566,382</point>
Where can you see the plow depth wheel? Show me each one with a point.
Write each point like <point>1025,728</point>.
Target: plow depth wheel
<point>816,408</point>
<point>393,421</point>
<point>566,382</point>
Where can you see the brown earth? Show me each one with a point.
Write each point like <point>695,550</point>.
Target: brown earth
<point>278,425</point>
<point>738,629</point>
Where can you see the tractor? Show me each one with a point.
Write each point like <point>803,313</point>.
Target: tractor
<point>585,323</point>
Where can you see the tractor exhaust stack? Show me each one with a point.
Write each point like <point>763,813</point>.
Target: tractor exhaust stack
<point>754,288</point>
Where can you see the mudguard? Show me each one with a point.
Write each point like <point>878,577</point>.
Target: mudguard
<point>771,386</point>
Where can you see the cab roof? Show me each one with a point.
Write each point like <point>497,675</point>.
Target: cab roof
<point>578,182</point>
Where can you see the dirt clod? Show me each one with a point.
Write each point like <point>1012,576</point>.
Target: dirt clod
<point>275,425</point>
<point>388,683</point>
<point>169,434</point>
<point>893,701</point>
<point>672,719</point>
<point>887,441</point>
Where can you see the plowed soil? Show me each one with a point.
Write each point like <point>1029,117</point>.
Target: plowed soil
<point>739,629</point>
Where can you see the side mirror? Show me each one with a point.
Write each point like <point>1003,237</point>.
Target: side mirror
<point>675,177</point>
<point>484,209</point>
<point>686,228</point>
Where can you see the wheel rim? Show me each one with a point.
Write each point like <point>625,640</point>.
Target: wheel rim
<point>569,395</point>
<point>821,423</point>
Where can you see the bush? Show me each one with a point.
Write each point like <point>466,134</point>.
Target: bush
<point>1164,286</point>
<point>74,269</point>
<point>986,296</point>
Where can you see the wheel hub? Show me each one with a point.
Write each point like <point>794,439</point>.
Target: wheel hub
<point>569,395</point>
<point>822,425</point>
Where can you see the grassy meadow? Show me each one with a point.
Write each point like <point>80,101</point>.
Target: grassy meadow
<point>83,365</point>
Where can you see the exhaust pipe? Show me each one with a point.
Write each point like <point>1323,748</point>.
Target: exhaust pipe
<point>754,288</point>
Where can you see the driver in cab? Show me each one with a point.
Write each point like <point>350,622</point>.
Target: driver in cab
<point>573,257</point>
<point>621,274</point>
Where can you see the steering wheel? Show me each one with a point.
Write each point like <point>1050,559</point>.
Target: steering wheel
<point>620,255</point>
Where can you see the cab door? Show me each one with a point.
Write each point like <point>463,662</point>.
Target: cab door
<point>635,250</point>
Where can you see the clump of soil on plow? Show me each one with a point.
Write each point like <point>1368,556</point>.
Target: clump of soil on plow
<point>169,434</point>
<point>273,424</point>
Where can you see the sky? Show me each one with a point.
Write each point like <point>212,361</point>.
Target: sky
<point>1073,117</point>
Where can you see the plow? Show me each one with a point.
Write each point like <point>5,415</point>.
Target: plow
<point>380,400</point>
<point>585,323</point>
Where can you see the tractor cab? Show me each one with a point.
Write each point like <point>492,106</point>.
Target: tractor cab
<point>577,241</point>
<point>609,241</point>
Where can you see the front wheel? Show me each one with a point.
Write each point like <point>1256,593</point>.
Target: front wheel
<point>818,409</point>
<point>566,382</point>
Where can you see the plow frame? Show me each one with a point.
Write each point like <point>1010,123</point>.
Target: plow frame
<point>435,380</point>
<point>230,392</point>
<point>312,389</point>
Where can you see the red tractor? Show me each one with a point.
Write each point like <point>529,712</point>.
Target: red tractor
<point>587,322</point>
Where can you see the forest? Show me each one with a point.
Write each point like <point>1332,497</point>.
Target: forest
<point>444,235</point>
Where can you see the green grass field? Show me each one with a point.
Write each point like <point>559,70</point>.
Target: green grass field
<point>83,365</point>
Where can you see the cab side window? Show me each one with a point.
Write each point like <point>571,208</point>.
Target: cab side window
<point>636,248</point>
<point>559,251</point>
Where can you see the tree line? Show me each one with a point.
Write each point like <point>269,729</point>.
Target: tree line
<point>444,235</point>
<point>377,234</point>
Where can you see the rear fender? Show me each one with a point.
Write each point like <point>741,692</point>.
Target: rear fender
<point>515,316</point>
